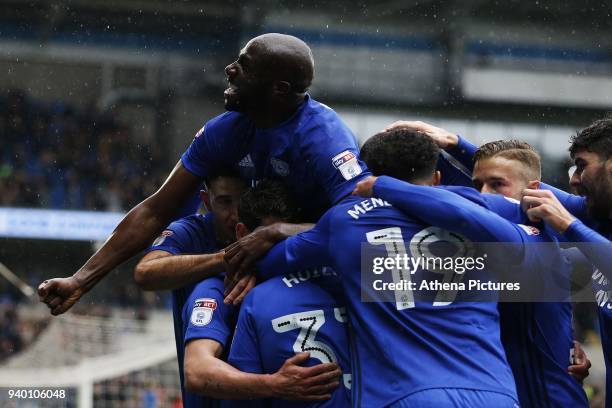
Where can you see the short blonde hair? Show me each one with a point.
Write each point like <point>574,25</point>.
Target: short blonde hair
<point>512,149</point>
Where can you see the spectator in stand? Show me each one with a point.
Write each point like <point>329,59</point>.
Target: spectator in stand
<point>56,156</point>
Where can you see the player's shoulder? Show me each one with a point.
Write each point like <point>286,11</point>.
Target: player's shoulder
<point>266,297</point>
<point>226,123</point>
<point>355,208</point>
<point>211,287</point>
<point>318,120</point>
<point>189,224</point>
<point>270,288</point>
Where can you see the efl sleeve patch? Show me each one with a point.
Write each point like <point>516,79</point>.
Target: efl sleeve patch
<point>203,310</point>
<point>348,164</point>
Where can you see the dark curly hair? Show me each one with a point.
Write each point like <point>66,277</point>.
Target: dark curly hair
<point>269,198</point>
<point>597,138</point>
<point>401,153</point>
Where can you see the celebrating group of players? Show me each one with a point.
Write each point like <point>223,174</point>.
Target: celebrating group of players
<point>268,307</point>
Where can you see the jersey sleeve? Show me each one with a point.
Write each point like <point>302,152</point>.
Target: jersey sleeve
<point>205,316</point>
<point>176,239</point>
<point>464,153</point>
<point>244,352</point>
<point>448,210</point>
<point>452,174</point>
<point>594,246</point>
<point>301,251</point>
<point>330,147</point>
<point>214,145</point>
<point>572,203</point>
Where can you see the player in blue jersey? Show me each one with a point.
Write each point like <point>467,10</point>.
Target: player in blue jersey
<point>591,150</point>
<point>186,252</point>
<point>289,314</point>
<point>273,129</point>
<point>407,352</point>
<point>538,357</point>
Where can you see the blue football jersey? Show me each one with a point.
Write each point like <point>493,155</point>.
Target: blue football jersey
<point>405,345</point>
<point>198,310</point>
<point>537,336</point>
<point>291,314</point>
<point>601,282</point>
<point>603,289</point>
<point>313,152</point>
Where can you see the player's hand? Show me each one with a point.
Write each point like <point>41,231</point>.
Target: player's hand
<point>242,254</point>
<point>543,205</point>
<point>442,137</point>
<point>365,187</point>
<point>236,291</point>
<point>580,369</point>
<point>59,294</point>
<point>294,382</point>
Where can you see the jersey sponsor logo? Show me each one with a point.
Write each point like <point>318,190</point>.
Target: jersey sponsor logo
<point>203,310</point>
<point>348,165</point>
<point>162,237</point>
<point>280,167</point>
<point>530,230</point>
<point>246,161</point>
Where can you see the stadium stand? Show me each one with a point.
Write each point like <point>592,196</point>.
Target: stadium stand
<point>59,156</point>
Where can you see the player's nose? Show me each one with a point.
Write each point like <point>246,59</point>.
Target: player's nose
<point>230,70</point>
<point>575,180</point>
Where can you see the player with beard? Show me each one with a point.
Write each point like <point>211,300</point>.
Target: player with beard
<point>591,150</point>
<point>272,129</point>
<point>507,168</point>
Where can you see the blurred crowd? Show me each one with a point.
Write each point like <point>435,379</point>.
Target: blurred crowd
<point>16,332</point>
<point>65,157</point>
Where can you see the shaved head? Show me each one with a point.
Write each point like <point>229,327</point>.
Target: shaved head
<point>285,58</point>
<point>270,77</point>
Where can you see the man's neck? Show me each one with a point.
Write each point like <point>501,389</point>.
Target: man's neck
<point>276,113</point>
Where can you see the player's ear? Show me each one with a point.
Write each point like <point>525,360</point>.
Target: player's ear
<point>281,87</point>
<point>534,185</point>
<point>436,177</point>
<point>205,197</point>
<point>241,230</point>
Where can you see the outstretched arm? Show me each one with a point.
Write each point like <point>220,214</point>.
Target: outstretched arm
<point>160,270</point>
<point>242,254</point>
<point>445,209</point>
<point>301,251</point>
<point>459,148</point>
<point>133,234</point>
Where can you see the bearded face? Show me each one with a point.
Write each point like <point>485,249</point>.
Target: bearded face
<point>593,180</point>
